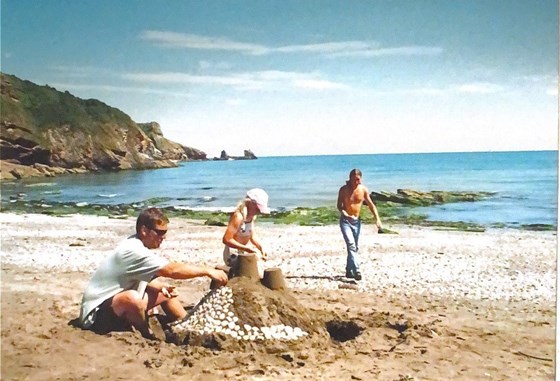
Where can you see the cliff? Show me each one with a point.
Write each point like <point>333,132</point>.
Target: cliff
<point>44,132</point>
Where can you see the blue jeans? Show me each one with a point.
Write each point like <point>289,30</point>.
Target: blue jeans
<point>350,228</point>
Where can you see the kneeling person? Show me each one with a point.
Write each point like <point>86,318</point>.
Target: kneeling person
<point>124,287</point>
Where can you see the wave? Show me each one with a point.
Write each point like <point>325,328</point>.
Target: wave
<point>110,195</point>
<point>40,185</point>
<point>226,209</point>
<point>207,198</point>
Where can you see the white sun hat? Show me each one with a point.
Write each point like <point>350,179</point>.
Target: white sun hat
<point>260,197</point>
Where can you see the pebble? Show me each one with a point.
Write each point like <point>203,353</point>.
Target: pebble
<point>499,264</point>
<point>206,318</point>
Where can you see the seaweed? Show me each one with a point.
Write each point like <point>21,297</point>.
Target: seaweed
<point>389,212</point>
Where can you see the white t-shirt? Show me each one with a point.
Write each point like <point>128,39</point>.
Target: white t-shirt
<point>124,269</point>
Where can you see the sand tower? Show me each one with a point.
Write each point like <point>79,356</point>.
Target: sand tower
<point>248,311</point>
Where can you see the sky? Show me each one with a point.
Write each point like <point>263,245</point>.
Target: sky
<point>304,77</point>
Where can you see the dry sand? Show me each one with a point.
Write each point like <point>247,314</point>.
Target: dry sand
<point>433,305</point>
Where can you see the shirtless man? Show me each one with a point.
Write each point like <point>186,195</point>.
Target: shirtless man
<point>350,199</point>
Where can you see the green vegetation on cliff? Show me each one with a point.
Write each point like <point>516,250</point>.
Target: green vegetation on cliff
<point>40,108</point>
<point>43,126</point>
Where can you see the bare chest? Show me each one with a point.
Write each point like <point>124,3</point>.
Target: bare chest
<point>354,196</point>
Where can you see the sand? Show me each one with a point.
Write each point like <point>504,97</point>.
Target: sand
<point>433,305</point>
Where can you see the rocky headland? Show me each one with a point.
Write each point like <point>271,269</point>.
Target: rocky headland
<point>45,132</point>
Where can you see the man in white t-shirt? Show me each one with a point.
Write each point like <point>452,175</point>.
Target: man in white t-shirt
<point>124,287</point>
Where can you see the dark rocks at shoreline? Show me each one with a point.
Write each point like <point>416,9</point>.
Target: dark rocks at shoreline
<point>417,198</point>
<point>247,155</point>
<point>301,216</point>
<point>14,171</point>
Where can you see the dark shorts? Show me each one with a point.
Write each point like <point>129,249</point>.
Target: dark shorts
<point>107,321</point>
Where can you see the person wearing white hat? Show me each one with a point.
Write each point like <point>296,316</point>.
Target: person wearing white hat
<point>240,236</point>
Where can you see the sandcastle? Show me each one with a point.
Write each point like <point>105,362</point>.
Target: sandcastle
<point>247,309</point>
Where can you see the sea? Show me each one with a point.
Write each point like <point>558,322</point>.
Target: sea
<point>525,184</point>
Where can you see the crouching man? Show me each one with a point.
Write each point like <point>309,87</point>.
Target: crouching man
<point>124,287</point>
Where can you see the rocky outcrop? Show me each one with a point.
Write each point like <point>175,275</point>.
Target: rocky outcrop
<point>412,197</point>
<point>168,149</point>
<point>223,156</point>
<point>14,171</point>
<point>60,132</point>
<point>194,154</point>
<point>247,155</point>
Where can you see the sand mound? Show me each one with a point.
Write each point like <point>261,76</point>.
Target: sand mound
<point>247,314</point>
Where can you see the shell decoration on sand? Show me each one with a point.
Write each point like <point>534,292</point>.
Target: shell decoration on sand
<point>214,314</point>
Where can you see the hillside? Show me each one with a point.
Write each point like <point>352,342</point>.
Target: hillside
<point>44,132</point>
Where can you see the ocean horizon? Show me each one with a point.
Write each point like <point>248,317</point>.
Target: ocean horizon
<point>412,153</point>
<point>524,183</point>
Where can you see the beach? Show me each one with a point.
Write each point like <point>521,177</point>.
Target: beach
<point>433,304</point>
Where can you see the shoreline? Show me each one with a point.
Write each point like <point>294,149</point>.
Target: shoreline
<point>304,216</point>
<point>479,305</point>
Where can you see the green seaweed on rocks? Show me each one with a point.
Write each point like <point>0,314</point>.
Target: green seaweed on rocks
<point>390,214</point>
<point>422,220</point>
<point>305,216</point>
<point>538,227</point>
<point>157,200</point>
<point>326,215</point>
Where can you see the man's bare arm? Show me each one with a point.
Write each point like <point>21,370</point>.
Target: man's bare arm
<point>176,270</point>
<point>372,207</point>
<point>340,202</point>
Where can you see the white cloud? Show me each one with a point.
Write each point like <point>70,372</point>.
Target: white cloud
<point>553,91</point>
<point>327,47</point>
<point>260,80</point>
<point>184,78</point>
<point>426,91</point>
<point>479,88</point>
<point>78,71</point>
<point>332,49</point>
<point>318,84</point>
<point>398,51</point>
<point>538,78</point>
<point>236,102</point>
<point>121,89</point>
<point>193,41</point>
<point>469,88</point>
<point>208,65</point>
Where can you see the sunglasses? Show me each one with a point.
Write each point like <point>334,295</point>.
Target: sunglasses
<point>159,232</point>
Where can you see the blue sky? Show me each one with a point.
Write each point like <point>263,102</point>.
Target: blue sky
<point>304,77</point>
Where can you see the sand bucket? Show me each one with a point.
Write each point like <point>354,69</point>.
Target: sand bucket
<point>274,279</point>
<point>246,265</point>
